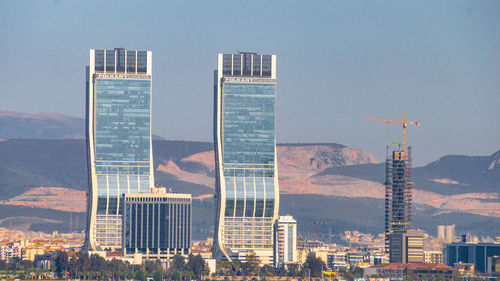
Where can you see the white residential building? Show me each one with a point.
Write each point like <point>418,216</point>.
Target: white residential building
<point>285,241</point>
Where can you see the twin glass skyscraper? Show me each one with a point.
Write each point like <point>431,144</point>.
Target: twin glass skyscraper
<point>120,156</point>
<point>119,148</point>
<point>245,156</point>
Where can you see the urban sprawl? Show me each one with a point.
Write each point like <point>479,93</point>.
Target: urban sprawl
<point>139,230</point>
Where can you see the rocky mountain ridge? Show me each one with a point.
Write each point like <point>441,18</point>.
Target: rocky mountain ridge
<point>343,184</point>
<point>301,170</point>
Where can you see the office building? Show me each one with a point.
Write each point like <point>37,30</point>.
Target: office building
<point>378,258</point>
<point>441,230</point>
<point>157,224</point>
<point>356,258</point>
<point>406,247</point>
<point>446,233</point>
<point>119,148</point>
<point>245,156</point>
<point>493,265</point>
<point>11,251</point>
<point>465,269</point>
<point>433,256</point>
<point>411,271</point>
<point>337,261</point>
<point>469,238</point>
<point>285,241</point>
<point>449,236</point>
<point>471,253</point>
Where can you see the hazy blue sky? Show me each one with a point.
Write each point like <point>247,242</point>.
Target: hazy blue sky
<point>338,61</point>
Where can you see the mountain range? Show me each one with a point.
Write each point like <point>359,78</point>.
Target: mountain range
<point>40,126</point>
<point>43,182</point>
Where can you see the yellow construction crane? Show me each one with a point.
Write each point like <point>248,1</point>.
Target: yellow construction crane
<point>399,122</point>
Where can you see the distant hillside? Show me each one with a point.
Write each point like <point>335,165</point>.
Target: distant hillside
<point>468,173</point>
<point>41,219</point>
<point>40,126</point>
<point>50,126</point>
<point>27,164</point>
<point>333,183</point>
<point>452,174</point>
<point>345,193</point>
<point>336,215</point>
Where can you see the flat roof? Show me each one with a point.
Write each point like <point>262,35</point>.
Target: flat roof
<point>412,265</point>
<point>158,195</point>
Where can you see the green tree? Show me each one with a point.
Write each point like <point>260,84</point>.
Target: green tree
<point>26,265</point>
<point>267,270</point>
<point>157,276</point>
<point>236,268</point>
<point>61,263</point>
<point>177,275</point>
<point>130,274</point>
<point>140,275</point>
<point>82,263</point>
<point>3,265</point>
<point>178,262</point>
<point>197,265</point>
<point>251,266</point>
<point>313,266</point>
<point>346,274</point>
<point>358,272</point>
<point>117,269</point>
<point>152,266</point>
<point>293,269</point>
<point>281,271</point>
<point>187,275</point>
<point>97,263</point>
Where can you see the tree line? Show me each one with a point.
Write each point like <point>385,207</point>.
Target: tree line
<point>95,267</point>
<point>313,267</point>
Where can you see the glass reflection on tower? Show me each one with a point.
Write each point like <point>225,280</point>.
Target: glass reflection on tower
<point>245,152</point>
<point>118,139</point>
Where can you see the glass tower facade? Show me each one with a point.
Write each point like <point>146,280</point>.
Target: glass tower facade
<point>245,146</point>
<point>118,139</point>
<point>475,253</point>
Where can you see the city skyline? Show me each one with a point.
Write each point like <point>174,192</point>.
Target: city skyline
<point>352,60</point>
<point>208,201</point>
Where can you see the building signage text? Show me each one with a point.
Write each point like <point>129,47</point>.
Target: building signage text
<point>122,76</point>
<point>248,80</point>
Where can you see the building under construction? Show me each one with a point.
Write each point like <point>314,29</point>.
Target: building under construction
<point>398,193</point>
<point>403,244</point>
<point>404,247</point>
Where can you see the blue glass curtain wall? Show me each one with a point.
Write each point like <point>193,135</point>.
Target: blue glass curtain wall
<point>249,149</point>
<point>122,140</point>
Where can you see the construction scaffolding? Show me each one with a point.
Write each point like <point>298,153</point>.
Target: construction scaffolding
<point>398,187</point>
<point>398,192</point>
